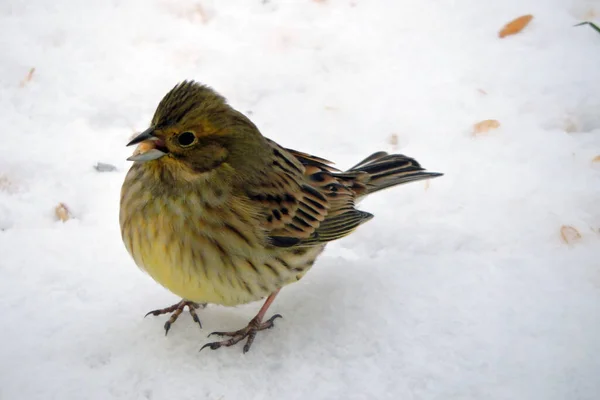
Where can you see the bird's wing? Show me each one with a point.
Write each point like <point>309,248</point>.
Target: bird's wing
<point>305,201</point>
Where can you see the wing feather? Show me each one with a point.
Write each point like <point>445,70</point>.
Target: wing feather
<point>305,201</point>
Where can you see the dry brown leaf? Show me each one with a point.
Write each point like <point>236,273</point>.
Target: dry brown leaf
<point>569,234</point>
<point>570,126</point>
<point>590,15</point>
<point>596,159</point>
<point>199,10</point>
<point>515,26</point>
<point>27,78</point>
<point>6,185</point>
<point>62,212</point>
<point>393,140</point>
<point>192,12</point>
<point>485,125</point>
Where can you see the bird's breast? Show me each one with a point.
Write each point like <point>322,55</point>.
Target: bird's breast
<point>206,253</point>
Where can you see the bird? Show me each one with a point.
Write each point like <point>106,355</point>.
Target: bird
<point>217,213</point>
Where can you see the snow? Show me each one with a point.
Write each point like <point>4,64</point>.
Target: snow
<point>461,288</point>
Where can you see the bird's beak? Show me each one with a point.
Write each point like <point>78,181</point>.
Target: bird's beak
<point>150,147</point>
<point>148,134</point>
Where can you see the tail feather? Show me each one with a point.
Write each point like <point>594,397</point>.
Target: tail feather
<point>367,160</point>
<point>386,170</point>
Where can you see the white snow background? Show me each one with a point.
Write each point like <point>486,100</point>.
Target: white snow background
<point>458,289</point>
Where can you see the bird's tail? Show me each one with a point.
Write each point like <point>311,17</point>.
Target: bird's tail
<point>386,170</point>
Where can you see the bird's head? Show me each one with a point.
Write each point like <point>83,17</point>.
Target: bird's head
<point>194,129</point>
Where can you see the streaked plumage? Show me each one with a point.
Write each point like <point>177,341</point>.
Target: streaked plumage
<point>226,216</point>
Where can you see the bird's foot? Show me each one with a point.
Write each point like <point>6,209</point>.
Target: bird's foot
<point>176,310</point>
<point>254,326</point>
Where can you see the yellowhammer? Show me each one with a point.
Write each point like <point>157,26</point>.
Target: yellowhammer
<point>217,213</point>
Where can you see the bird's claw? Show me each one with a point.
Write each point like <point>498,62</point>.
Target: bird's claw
<point>248,332</point>
<point>176,310</point>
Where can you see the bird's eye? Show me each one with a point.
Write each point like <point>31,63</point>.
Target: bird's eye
<point>186,139</point>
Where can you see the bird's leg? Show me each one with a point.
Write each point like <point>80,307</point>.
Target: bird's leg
<point>176,310</point>
<point>255,325</point>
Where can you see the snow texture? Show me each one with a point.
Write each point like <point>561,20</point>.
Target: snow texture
<point>460,288</point>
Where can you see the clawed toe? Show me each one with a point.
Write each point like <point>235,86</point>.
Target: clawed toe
<point>176,310</point>
<point>248,332</point>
